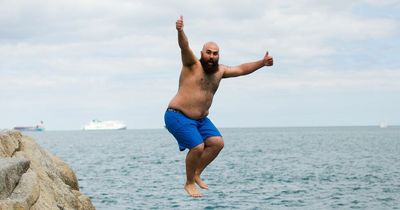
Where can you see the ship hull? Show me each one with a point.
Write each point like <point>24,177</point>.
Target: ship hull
<point>28,129</point>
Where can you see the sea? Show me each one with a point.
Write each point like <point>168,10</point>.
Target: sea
<point>259,168</point>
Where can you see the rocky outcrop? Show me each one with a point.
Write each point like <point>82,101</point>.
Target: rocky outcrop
<point>11,170</point>
<point>33,178</point>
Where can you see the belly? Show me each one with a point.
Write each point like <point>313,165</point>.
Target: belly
<point>194,105</point>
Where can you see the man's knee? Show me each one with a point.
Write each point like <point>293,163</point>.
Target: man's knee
<point>216,142</point>
<point>220,142</point>
<point>197,149</point>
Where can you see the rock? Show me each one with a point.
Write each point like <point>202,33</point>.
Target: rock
<point>9,143</point>
<point>11,170</point>
<point>45,161</point>
<point>39,180</point>
<point>25,194</point>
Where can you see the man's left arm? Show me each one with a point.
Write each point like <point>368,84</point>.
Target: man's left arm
<point>248,68</point>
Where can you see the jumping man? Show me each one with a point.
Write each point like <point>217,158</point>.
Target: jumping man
<point>186,116</point>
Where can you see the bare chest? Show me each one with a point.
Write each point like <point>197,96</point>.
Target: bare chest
<point>208,83</point>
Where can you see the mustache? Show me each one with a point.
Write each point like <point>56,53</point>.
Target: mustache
<point>210,60</point>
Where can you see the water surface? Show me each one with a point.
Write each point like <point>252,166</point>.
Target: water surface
<point>259,168</point>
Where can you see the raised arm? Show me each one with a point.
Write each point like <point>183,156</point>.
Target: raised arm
<point>247,68</point>
<point>188,58</point>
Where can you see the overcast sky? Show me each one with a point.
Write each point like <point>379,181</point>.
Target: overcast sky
<point>69,61</point>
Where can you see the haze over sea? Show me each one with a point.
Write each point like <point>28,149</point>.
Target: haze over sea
<point>259,168</point>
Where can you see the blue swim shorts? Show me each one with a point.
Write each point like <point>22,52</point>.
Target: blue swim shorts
<point>188,132</point>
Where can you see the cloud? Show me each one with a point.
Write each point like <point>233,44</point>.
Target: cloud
<point>301,30</point>
<point>122,52</point>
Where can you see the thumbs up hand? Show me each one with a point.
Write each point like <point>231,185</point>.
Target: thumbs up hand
<point>268,60</point>
<point>179,24</point>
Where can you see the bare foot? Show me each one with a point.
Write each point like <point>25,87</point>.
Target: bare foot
<point>200,182</point>
<point>192,190</point>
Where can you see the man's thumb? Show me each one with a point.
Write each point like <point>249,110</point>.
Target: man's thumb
<point>266,54</point>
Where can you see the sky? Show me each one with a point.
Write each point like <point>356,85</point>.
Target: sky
<point>66,62</point>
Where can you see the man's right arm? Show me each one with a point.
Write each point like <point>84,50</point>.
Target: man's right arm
<point>188,58</point>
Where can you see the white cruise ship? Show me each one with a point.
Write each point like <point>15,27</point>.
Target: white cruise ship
<point>383,125</point>
<point>105,125</point>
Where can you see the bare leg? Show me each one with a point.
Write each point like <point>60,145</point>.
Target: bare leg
<point>213,145</point>
<point>192,162</point>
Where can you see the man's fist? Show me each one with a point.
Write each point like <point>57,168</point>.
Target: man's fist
<point>179,24</point>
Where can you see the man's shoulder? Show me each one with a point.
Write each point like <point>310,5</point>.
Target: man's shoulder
<point>222,68</point>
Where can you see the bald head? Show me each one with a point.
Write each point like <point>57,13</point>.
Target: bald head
<point>210,46</point>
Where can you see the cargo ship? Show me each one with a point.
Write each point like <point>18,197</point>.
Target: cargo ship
<point>39,127</point>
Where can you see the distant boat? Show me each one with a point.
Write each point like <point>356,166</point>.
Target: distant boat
<point>39,127</point>
<point>383,125</point>
<point>105,125</point>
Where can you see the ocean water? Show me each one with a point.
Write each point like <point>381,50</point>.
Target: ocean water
<point>259,168</point>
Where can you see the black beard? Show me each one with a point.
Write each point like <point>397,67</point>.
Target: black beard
<point>207,68</point>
